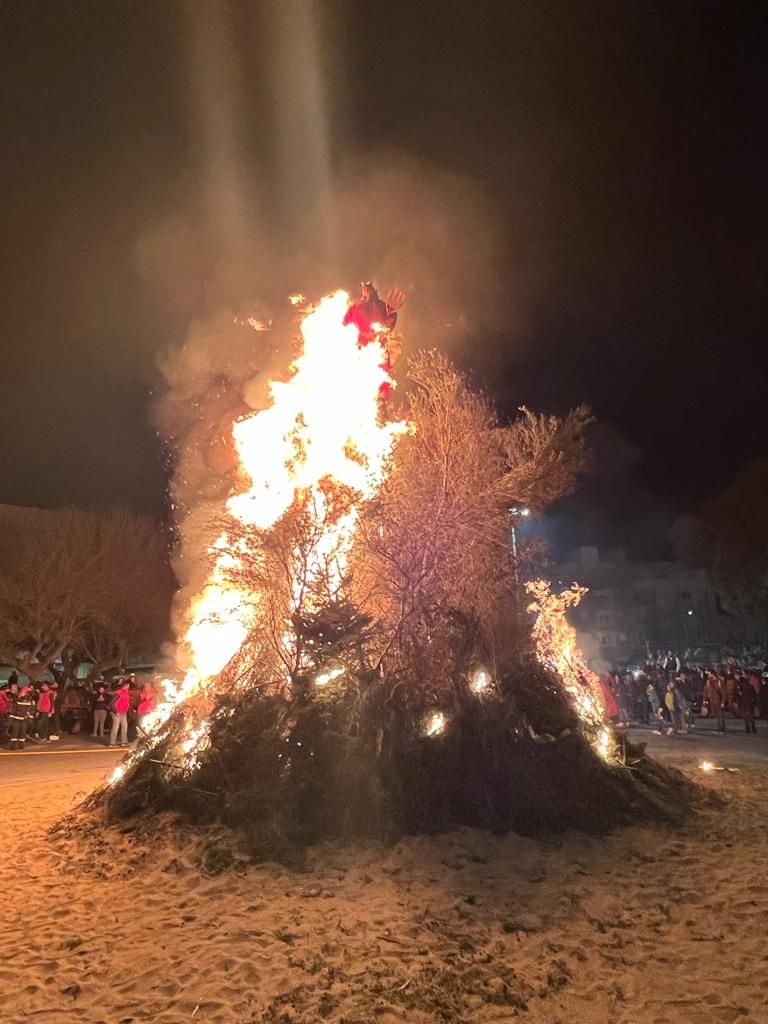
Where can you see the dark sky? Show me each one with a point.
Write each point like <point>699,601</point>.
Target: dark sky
<point>619,146</point>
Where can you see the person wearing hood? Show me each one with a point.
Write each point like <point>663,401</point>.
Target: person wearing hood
<point>22,712</point>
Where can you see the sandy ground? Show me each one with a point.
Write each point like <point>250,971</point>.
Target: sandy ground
<point>645,926</point>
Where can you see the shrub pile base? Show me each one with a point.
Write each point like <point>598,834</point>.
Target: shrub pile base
<point>288,773</point>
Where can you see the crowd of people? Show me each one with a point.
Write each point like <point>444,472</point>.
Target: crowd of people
<point>35,712</point>
<point>664,694</point>
<point>668,695</point>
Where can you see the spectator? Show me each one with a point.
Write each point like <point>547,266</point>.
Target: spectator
<point>134,693</point>
<point>21,714</point>
<point>714,695</point>
<point>611,707</point>
<point>100,708</point>
<point>618,709</point>
<point>55,710</point>
<point>44,709</point>
<point>120,703</point>
<point>654,705</point>
<point>5,709</point>
<point>682,691</point>
<point>730,689</point>
<point>638,684</point>
<point>747,700</point>
<point>755,682</point>
<point>672,704</point>
<point>145,708</point>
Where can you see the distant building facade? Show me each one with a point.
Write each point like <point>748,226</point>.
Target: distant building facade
<point>635,609</point>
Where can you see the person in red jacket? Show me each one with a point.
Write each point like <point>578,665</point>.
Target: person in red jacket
<point>44,711</point>
<point>22,712</point>
<point>145,708</point>
<point>121,701</point>
<point>5,710</point>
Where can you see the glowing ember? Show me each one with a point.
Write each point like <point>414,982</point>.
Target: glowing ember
<point>435,724</point>
<point>195,741</point>
<point>706,766</point>
<point>480,681</point>
<point>604,744</point>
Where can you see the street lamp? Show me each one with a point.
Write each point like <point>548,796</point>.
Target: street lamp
<point>517,513</point>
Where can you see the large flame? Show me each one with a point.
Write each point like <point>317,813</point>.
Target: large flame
<point>324,431</point>
<point>323,428</point>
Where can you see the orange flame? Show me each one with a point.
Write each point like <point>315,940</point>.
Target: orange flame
<point>323,425</point>
<point>557,649</point>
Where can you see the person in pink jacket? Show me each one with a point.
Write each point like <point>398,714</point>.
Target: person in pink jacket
<point>145,708</point>
<point>121,701</point>
<point>44,710</point>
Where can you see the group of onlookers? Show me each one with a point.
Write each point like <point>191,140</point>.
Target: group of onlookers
<point>32,711</point>
<point>670,696</point>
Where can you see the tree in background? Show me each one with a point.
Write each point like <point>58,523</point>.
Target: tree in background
<point>729,538</point>
<point>80,587</point>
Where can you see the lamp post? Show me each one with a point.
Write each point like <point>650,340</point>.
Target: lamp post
<point>517,513</point>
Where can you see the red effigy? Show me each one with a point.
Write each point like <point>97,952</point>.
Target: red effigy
<point>371,311</point>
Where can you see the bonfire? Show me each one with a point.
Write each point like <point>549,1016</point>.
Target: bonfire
<point>357,660</point>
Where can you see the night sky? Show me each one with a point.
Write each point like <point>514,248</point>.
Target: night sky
<point>619,147</point>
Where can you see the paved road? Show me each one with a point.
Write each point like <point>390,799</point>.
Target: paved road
<point>735,749</point>
<point>72,766</point>
<point>80,764</point>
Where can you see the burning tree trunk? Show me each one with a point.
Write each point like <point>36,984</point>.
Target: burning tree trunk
<point>353,669</point>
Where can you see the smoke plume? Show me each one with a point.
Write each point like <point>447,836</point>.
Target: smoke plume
<point>397,221</point>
